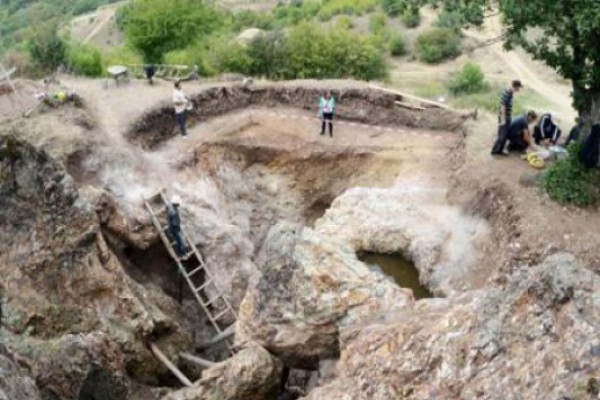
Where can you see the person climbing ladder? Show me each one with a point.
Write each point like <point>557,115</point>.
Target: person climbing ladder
<point>326,110</point>
<point>175,226</point>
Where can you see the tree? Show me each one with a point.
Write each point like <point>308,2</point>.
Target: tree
<point>155,27</point>
<point>46,48</point>
<point>563,34</point>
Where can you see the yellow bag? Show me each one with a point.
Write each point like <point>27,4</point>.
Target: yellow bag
<point>535,161</point>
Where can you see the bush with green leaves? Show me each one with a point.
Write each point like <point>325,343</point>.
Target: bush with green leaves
<point>470,79</point>
<point>450,19</point>
<point>84,60</point>
<point>46,48</point>
<point>305,51</point>
<point>344,22</point>
<point>569,182</point>
<point>438,44</point>
<point>411,17</point>
<point>393,8</point>
<point>252,19</point>
<point>377,22</point>
<point>397,45</point>
<point>155,27</point>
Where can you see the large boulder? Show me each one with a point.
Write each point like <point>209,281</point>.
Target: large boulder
<point>68,307</point>
<point>536,337</point>
<point>309,288</point>
<point>252,374</point>
<point>444,244</point>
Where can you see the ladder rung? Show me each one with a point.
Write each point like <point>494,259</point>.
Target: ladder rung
<point>205,284</point>
<point>209,302</point>
<point>222,313</point>
<point>195,271</point>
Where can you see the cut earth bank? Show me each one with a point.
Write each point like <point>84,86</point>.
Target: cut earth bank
<point>279,214</point>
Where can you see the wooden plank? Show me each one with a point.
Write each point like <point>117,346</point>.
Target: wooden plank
<point>226,334</point>
<point>197,360</point>
<point>178,374</point>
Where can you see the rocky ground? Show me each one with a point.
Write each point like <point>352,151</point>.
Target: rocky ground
<point>280,215</point>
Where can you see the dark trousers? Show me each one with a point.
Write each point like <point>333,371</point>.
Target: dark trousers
<point>179,241</point>
<point>181,117</point>
<point>501,141</point>
<point>517,143</point>
<point>327,119</point>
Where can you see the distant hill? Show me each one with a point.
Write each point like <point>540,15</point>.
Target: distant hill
<point>17,17</point>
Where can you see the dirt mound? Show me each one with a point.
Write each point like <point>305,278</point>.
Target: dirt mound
<point>360,104</point>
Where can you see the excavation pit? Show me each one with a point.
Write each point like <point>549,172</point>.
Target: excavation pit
<point>399,269</point>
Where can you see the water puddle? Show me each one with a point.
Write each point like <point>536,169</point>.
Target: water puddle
<point>402,271</point>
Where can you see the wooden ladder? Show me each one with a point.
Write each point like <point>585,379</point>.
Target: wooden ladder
<point>217,307</point>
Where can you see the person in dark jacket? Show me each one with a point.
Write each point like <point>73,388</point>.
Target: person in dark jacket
<point>590,152</point>
<point>175,226</point>
<point>149,69</point>
<point>519,136</point>
<point>546,131</point>
<point>575,132</point>
<point>505,117</point>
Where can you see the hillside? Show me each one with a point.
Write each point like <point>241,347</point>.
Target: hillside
<point>19,18</point>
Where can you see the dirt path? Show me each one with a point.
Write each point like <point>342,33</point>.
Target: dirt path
<point>107,16</point>
<point>535,75</point>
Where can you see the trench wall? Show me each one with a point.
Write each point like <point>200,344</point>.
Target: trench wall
<point>355,103</point>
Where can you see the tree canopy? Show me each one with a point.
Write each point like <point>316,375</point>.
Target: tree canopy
<point>155,27</point>
<point>564,34</point>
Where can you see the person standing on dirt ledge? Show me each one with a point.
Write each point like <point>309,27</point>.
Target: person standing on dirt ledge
<point>505,117</point>
<point>326,110</point>
<point>182,105</point>
<point>175,226</point>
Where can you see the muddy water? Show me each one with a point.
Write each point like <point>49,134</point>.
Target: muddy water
<point>402,271</point>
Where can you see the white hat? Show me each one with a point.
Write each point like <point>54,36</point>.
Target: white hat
<point>175,200</point>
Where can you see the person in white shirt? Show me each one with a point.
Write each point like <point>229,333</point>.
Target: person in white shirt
<point>182,105</point>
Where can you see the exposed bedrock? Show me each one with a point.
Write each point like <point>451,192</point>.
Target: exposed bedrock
<point>68,308</point>
<point>307,289</point>
<point>535,337</point>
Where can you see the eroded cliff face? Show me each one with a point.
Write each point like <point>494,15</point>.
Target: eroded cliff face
<point>67,303</point>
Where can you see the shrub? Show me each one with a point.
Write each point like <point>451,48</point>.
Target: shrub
<point>470,79</point>
<point>305,51</point>
<point>230,56</point>
<point>121,55</point>
<point>411,17</point>
<point>450,19</point>
<point>438,44</point>
<point>325,15</point>
<point>397,45</point>
<point>344,22</point>
<point>252,19</point>
<point>84,60</point>
<point>377,22</point>
<point>568,181</point>
<point>266,54</point>
<point>312,52</point>
<point>393,7</point>
<point>46,48</point>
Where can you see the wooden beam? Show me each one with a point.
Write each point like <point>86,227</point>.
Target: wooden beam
<point>226,334</point>
<point>197,360</point>
<point>161,356</point>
